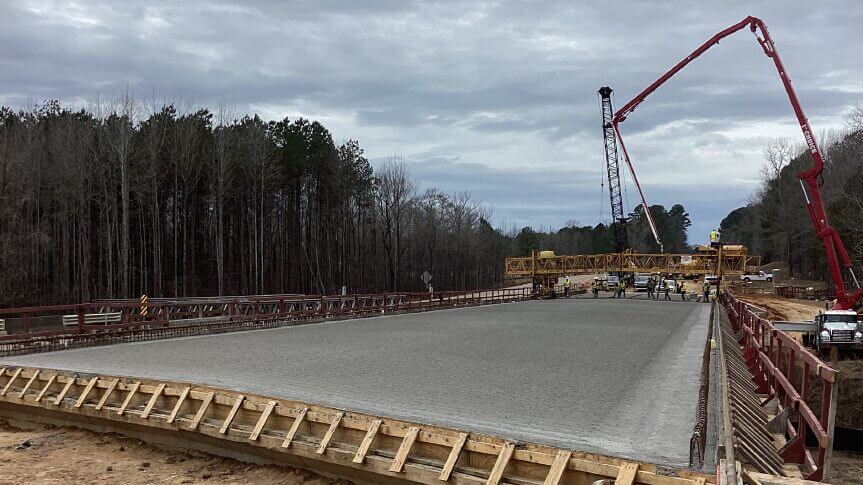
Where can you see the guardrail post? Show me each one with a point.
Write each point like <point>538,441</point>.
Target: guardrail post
<point>80,309</point>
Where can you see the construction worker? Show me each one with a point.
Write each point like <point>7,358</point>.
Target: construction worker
<point>595,287</point>
<point>566,285</point>
<point>650,287</point>
<point>682,290</point>
<point>714,237</point>
<point>621,288</point>
<point>705,290</point>
<point>667,290</point>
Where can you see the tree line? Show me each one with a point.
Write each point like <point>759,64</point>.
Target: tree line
<point>776,223</point>
<point>671,224</point>
<point>124,198</point>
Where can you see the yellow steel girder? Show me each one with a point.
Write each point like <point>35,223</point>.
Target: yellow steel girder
<point>733,262</point>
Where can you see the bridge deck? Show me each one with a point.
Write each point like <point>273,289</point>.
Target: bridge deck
<point>611,376</point>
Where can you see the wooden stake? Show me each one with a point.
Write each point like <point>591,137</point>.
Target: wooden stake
<point>627,473</point>
<point>500,465</point>
<point>330,432</point>
<point>179,404</point>
<point>152,402</point>
<point>64,391</point>
<point>262,420</point>
<point>555,473</point>
<point>45,389</point>
<point>86,391</point>
<point>131,394</point>
<point>367,441</point>
<point>227,424</point>
<point>29,383</point>
<point>9,384</point>
<point>453,457</point>
<point>201,410</point>
<point>404,449</point>
<point>111,387</point>
<point>294,427</point>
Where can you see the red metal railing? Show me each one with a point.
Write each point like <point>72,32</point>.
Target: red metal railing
<point>775,360</point>
<point>168,313</point>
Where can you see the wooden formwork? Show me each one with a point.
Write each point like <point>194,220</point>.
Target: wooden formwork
<point>262,429</point>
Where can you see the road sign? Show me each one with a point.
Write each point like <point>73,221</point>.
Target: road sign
<point>426,277</point>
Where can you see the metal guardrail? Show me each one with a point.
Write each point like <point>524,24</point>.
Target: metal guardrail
<point>804,293</point>
<point>783,370</point>
<point>353,445</point>
<point>169,320</point>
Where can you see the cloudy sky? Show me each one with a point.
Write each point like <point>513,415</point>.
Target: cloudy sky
<point>495,98</point>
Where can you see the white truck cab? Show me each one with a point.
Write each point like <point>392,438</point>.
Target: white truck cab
<point>839,328</point>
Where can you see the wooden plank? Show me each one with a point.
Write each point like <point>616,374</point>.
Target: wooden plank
<point>129,397</point>
<point>86,391</point>
<point>627,474</point>
<point>108,391</point>
<point>238,401</point>
<point>9,384</point>
<point>265,415</point>
<point>29,384</point>
<point>152,401</point>
<point>404,449</point>
<point>294,427</point>
<point>179,404</point>
<point>501,463</point>
<point>47,386</point>
<point>65,390</point>
<point>201,410</point>
<point>555,473</point>
<point>367,441</point>
<point>453,457</point>
<point>329,434</point>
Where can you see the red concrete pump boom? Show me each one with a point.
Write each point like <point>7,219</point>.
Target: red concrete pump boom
<point>837,256</point>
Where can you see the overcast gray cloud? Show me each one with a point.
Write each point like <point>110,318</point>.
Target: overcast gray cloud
<point>494,98</point>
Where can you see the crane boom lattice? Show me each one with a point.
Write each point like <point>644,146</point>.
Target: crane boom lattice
<point>612,164</point>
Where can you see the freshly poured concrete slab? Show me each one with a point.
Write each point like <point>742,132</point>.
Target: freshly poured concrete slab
<point>611,376</point>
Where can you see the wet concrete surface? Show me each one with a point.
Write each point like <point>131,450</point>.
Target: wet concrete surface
<point>610,376</point>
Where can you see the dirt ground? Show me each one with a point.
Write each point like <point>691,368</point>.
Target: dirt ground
<point>779,308</point>
<point>54,455</point>
<point>847,469</point>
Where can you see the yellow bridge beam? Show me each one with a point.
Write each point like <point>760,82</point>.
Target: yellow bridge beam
<point>733,262</point>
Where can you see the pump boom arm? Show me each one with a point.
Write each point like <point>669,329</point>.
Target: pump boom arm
<point>837,256</point>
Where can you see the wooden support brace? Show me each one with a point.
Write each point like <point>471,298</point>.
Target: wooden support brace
<point>179,404</point>
<point>152,401</point>
<point>294,427</point>
<point>404,449</point>
<point>65,390</point>
<point>367,441</point>
<point>201,410</point>
<point>500,465</point>
<point>453,457</point>
<point>11,380</point>
<point>107,394</point>
<point>329,434</point>
<point>627,473</point>
<point>86,391</point>
<point>47,386</point>
<point>555,473</point>
<point>262,420</point>
<point>29,383</point>
<point>238,401</point>
<point>128,399</point>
